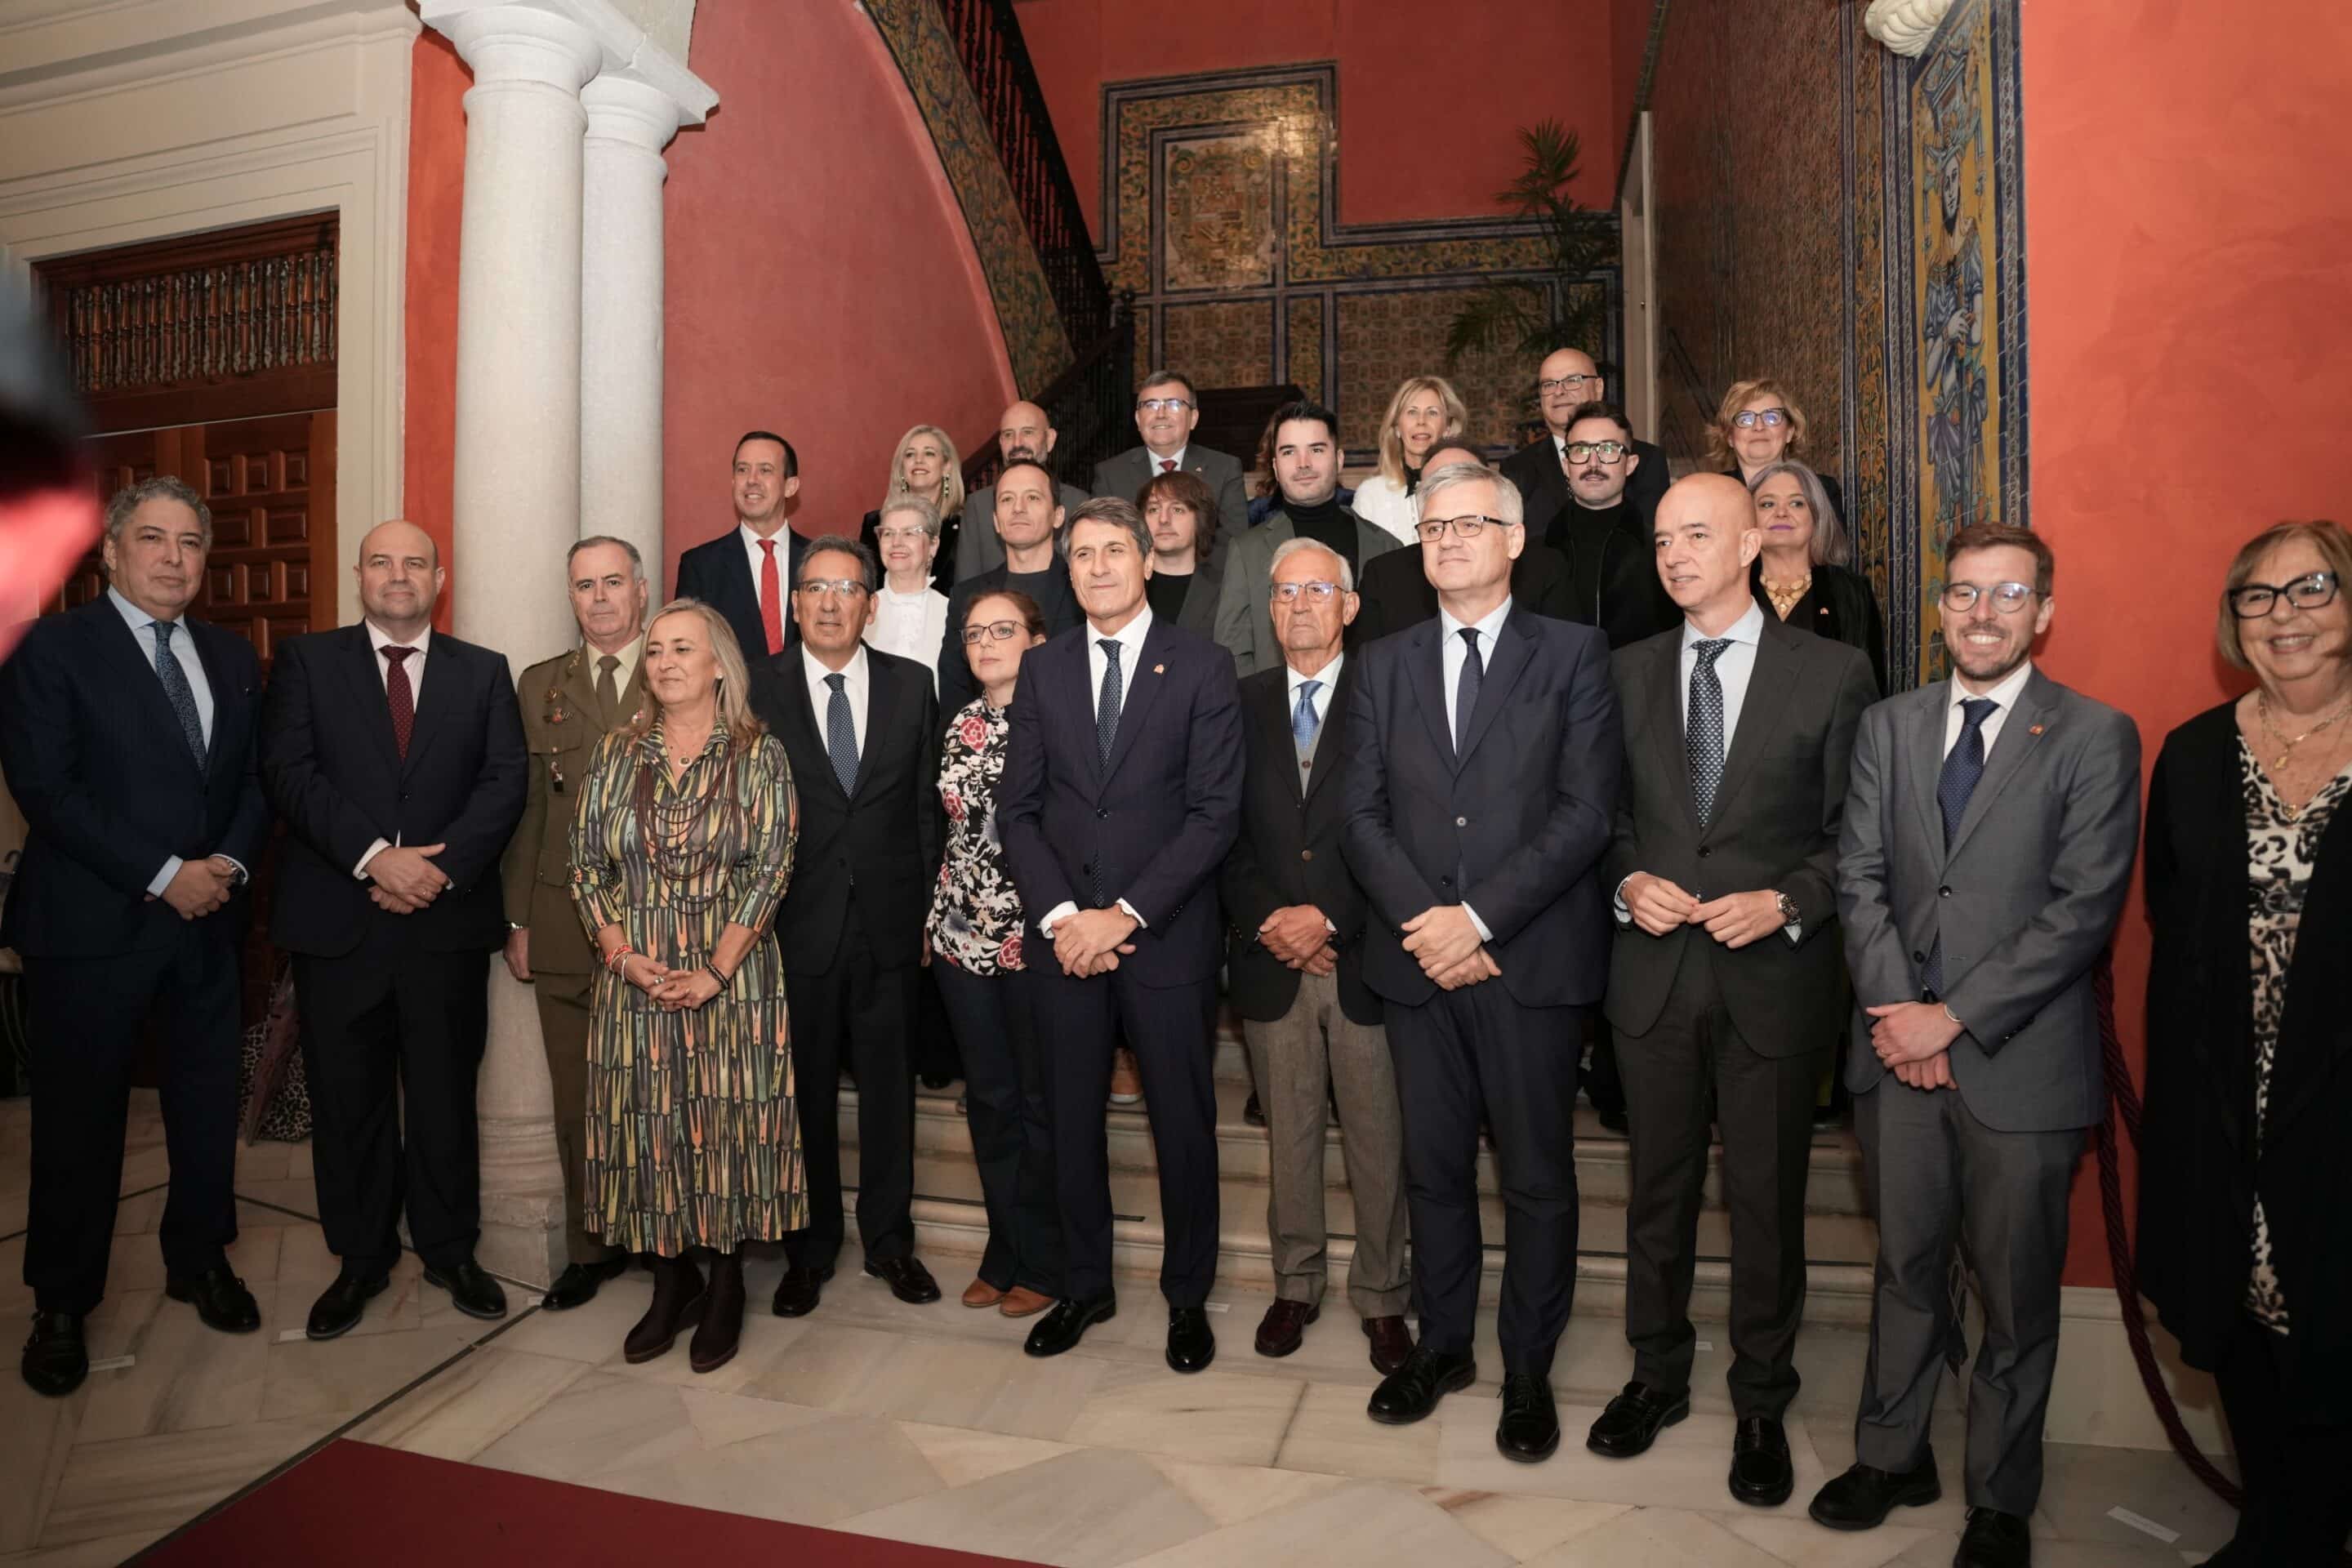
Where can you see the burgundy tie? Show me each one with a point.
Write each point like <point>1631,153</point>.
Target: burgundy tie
<point>1167,465</point>
<point>403,698</point>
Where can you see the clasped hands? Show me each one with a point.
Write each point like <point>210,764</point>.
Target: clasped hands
<point>402,878</point>
<point>199,887</point>
<point>1088,943</point>
<point>1299,936</point>
<point>1734,920</point>
<point>1449,947</point>
<point>1914,1039</point>
<point>672,990</point>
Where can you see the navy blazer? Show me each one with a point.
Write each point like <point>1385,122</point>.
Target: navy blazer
<point>100,768</point>
<point>719,573</point>
<point>333,771</point>
<point>1155,823</point>
<point>1521,818</point>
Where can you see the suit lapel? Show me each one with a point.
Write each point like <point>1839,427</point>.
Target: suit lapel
<point>2020,736</point>
<point>223,705</point>
<point>1926,743</point>
<point>368,694</point>
<point>122,644</point>
<point>432,700</point>
<point>1328,742</point>
<point>801,706</point>
<point>1425,669</point>
<point>881,711</point>
<point>1666,703</point>
<point>1769,681</point>
<point>1501,672</point>
<point>1270,713</point>
<point>1142,690</point>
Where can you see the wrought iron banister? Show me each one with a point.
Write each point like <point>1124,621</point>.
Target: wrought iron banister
<point>1091,407</point>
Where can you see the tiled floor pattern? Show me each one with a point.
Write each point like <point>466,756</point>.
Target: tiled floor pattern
<point>929,1424</point>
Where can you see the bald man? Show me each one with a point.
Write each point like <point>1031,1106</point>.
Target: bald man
<point>1024,435</point>
<point>1565,382</point>
<point>395,755</point>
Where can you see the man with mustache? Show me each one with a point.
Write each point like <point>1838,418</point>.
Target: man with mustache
<point>1604,532</point>
<point>1567,380</point>
<point>1023,435</point>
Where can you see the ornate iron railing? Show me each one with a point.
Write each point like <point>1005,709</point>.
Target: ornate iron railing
<point>1091,405</point>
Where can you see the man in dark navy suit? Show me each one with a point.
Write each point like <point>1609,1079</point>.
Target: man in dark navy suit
<point>1484,750</point>
<point>1121,795</point>
<point>127,731</point>
<point>747,574</point>
<point>395,755</point>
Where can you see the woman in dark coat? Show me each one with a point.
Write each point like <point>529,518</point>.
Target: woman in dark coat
<point>2245,1202</point>
<point>1804,576</point>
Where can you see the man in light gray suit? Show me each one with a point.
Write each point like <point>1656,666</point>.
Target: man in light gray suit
<point>1024,435</point>
<point>1986,851</point>
<point>1166,410</point>
<point>1307,471</point>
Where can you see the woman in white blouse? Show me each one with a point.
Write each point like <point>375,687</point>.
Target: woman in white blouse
<point>925,465</point>
<point>910,616</point>
<point>1425,411</point>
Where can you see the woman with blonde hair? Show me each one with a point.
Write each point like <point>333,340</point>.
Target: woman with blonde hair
<point>680,851</point>
<point>1757,424</point>
<point>1804,574</point>
<point>1425,410</point>
<point>926,465</point>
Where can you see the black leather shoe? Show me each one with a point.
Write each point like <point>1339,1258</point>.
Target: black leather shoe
<point>1191,1344</point>
<point>798,1292</point>
<point>222,1301</point>
<point>1529,1430</point>
<point>56,1360</point>
<point>1633,1420</point>
<point>337,1313</point>
<point>578,1284</point>
<point>1413,1391</point>
<point>1068,1323</point>
<point>1760,1471</point>
<point>1994,1540</point>
<point>908,1279</point>
<point>1253,1112</point>
<point>1611,1113</point>
<point>1863,1496</point>
<point>471,1291</point>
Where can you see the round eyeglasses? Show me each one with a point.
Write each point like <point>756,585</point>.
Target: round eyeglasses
<point>1770,418</point>
<point>2252,601</point>
<point>2008,598</point>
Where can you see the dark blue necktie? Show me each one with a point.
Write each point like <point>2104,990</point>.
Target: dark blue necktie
<point>1703,738</point>
<point>1963,766</point>
<point>841,734</point>
<point>1107,701</point>
<point>176,689</point>
<point>1466,690</point>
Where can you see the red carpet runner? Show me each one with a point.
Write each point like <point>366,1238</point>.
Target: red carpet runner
<point>354,1505</point>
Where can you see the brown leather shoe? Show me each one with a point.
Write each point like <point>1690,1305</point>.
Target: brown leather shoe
<point>1023,1302</point>
<point>1284,1327</point>
<point>1126,1080</point>
<point>980,1293</point>
<point>1391,1344</point>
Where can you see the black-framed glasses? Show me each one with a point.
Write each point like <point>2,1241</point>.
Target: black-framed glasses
<point>1317,590</point>
<point>832,588</point>
<point>1573,384</point>
<point>1770,418</point>
<point>2008,598</point>
<point>995,631</point>
<point>1609,452</point>
<point>1469,525</point>
<point>1162,405</point>
<point>2252,601</point>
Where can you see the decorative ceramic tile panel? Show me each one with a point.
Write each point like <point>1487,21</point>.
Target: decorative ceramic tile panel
<point>1386,336</point>
<point>1222,342</point>
<point>1307,351</point>
<point>1217,230</point>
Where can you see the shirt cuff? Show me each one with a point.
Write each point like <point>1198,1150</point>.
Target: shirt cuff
<point>1053,917</point>
<point>1617,901</point>
<point>1136,915</point>
<point>375,849</point>
<point>243,876</point>
<point>1795,932</point>
<point>163,879</point>
<point>1484,934</point>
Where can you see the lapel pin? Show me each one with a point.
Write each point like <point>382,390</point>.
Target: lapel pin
<point>2035,731</point>
<point>1159,670</point>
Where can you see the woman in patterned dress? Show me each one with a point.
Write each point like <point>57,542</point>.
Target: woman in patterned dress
<point>2245,1216</point>
<point>680,851</point>
<point>975,937</point>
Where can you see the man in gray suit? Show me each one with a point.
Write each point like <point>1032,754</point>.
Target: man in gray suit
<point>1024,435</point>
<point>1166,410</point>
<point>1987,846</point>
<point>1307,471</point>
<point>1724,983</point>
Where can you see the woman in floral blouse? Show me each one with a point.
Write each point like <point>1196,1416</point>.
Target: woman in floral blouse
<point>976,945</point>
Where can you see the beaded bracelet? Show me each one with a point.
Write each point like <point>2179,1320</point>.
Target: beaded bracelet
<point>712,970</point>
<point>619,956</point>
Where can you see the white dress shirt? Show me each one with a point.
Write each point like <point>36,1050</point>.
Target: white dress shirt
<point>1452,650</point>
<point>1129,638</point>
<point>2004,696</point>
<point>1154,460</point>
<point>912,625</point>
<point>414,666</point>
<point>782,539</point>
<point>1321,702</point>
<point>854,688</point>
<point>192,666</point>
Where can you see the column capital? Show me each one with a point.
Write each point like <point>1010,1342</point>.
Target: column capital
<point>618,46</point>
<point>504,42</point>
<point>634,113</point>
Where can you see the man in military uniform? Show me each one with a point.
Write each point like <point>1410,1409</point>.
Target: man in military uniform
<point>570,702</point>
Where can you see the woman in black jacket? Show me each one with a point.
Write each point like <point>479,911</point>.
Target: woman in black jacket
<point>2245,1202</point>
<point>1802,575</point>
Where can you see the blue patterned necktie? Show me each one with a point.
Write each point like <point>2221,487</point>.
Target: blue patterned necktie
<point>1703,727</point>
<point>1303,722</point>
<point>1466,690</point>
<point>841,734</point>
<point>176,689</point>
<point>1964,764</point>
<point>1107,702</point>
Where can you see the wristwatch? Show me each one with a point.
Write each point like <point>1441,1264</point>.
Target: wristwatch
<point>1790,913</point>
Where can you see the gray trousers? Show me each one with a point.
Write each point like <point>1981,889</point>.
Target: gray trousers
<point>1310,1049</point>
<point>1940,1179</point>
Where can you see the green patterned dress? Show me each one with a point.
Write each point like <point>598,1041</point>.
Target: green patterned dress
<point>693,1139</point>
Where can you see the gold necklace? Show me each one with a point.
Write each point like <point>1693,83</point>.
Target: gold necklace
<point>1785,596</point>
<point>2286,747</point>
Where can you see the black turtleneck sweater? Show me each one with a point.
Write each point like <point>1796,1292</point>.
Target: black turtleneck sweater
<point>1328,523</point>
<point>1611,571</point>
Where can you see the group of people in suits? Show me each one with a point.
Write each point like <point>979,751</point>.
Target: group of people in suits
<point>1549,799</point>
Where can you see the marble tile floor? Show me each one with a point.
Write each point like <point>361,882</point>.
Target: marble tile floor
<point>927,1424</point>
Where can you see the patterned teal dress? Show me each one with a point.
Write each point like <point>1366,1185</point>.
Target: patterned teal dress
<point>692,1137</point>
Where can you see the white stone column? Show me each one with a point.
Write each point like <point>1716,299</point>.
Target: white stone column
<point>630,121</point>
<point>517,492</point>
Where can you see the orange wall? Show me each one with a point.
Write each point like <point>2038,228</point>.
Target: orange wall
<point>437,186</point>
<point>2189,252</point>
<point>1428,101</point>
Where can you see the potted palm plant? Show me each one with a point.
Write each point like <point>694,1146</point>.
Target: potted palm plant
<point>1531,317</point>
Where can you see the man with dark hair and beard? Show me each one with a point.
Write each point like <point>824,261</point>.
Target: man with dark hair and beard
<point>1604,531</point>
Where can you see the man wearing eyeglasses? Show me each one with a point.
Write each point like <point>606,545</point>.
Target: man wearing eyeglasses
<point>1295,920</point>
<point>1565,382</point>
<point>861,730</point>
<point>1484,749</point>
<point>1984,858</point>
<point>1613,581</point>
<point>1166,410</point>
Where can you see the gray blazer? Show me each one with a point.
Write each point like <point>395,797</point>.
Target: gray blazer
<point>1244,617</point>
<point>977,546</point>
<point>2024,900</point>
<point>1124,475</point>
<point>1204,598</point>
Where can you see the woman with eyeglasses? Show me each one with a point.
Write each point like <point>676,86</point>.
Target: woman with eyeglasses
<point>1804,574</point>
<point>1759,425</point>
<point>2246,1230</point>
<point>1425,411</point>
<point>974,938</point>
<point>910,615</point>
<point>926,465</point>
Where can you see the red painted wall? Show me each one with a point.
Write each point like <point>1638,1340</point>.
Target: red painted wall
<point>1428,101</point>
<point>436,187</point>
<point>2186,271</point>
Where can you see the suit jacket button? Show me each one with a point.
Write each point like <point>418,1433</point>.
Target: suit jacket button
<point>1445,881</point>
<point>1705,850</point>
<point>1918,958</point>
<point>1943,892</point>
<point>1100,812</point>
<point>1461,822</point>
<point>1307,854</point>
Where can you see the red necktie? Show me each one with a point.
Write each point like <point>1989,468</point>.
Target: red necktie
<point>402,697</point>
<point>771,597</point>
<point>1167,465</point>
